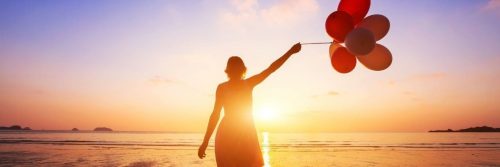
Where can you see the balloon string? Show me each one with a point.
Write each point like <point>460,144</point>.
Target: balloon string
<point>316,43</point>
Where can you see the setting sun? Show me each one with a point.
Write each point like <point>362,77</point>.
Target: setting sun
<point>265,114</point>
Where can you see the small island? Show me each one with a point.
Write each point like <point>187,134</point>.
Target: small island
<point>14,127</point>
<point>471,129</point>
<point>75,129</point>
<point>103,129</point>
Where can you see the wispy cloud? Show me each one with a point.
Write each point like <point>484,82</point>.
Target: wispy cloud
<point>492,5</point>
<point>408,93</point>
<point>330,93</point>
<point>428,76</point>
<point>159,80</point>
<point>423,77</point>
<point>289,11</point>
<point>283,12</point>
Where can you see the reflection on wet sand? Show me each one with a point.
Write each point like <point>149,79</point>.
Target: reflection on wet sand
<point>266,149</point>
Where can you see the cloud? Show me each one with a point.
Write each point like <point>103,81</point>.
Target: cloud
<point>283,12</point>
<point>428,76</point>
<point>330,93</point>
<point>289,10</point>
<point>492,6</point>
<point>159,80</point>
<point>408,93</point>
<point>423,77</point>
<point>391,82</point>
<point>244,5</point>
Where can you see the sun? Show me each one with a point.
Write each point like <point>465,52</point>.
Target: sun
<point>265,114</point>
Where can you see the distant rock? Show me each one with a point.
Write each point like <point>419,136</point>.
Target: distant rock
<point>449,130</point>
<point>103,129</point>
<point>471,129</point>
<point>14,127</point>
<point>75,129</point>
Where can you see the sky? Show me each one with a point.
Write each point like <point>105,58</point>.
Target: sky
<point>154,65</point>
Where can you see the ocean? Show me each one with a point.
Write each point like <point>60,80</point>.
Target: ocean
<point>88,148</point>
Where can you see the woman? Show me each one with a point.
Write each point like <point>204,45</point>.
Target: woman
<point>236,141</point>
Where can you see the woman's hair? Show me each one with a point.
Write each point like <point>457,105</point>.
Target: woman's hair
<point>235,68</point>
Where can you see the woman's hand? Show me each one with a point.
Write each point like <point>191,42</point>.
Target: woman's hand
<point>295,48</point>
<point>201,150</point>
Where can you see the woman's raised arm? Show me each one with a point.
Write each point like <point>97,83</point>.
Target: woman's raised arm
<point>256,79</point>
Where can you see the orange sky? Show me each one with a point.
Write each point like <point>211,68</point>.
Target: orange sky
<point>155,66</point>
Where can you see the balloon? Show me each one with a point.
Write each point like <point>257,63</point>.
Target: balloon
<point>378,24</point>
<point>338,24</point>
<point>343,61</point>
<point>334,46</point>
<point>360,41</point>
<point>379,59</point>
<point>356,8</point>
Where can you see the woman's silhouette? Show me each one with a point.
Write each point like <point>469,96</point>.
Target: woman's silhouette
<point>236,141</point>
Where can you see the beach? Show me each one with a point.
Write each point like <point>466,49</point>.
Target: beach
<point>179,149</point>
<point>142,157</point>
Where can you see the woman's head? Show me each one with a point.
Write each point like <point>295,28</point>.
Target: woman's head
<point>235,68</point>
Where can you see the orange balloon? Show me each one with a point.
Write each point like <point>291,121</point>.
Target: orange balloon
<point>338,24</point>
<point>360,41</point>
<point>334,46</point>
<point>378,24</point>
<point>379,59</point>
<point>343,61</point>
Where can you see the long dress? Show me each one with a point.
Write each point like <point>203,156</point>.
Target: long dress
<point>236,141</point>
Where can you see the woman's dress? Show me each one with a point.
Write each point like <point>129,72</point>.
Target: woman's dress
<point>236,141</point>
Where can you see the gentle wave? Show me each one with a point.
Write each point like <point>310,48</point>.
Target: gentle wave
<point>275,146</point>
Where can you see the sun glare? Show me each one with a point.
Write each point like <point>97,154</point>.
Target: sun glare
<point>265,114</point>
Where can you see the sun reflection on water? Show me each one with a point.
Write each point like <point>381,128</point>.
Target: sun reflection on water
<point>266,149</point>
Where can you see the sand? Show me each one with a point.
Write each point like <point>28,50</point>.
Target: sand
<point>74,155</point>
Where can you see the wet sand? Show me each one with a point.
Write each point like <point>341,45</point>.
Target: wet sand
<point>75,155</point>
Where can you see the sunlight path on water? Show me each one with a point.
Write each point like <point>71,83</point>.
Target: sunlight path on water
<point>265,149</point>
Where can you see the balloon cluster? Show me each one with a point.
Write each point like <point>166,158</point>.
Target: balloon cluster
<point>348,25</point>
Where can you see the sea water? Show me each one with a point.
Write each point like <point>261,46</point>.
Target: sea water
<point>88,148</point>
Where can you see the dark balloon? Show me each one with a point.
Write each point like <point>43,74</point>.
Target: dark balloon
<point>338,24</point>
<point>356,8</point>
<point>343,61</point>
<point>360,41</point>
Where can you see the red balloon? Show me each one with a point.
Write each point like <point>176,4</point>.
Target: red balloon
<point>378,24</point>
<point>343,61</point>
<point>356,8</point>
<point>338,24</point>
<point>379,59</point>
